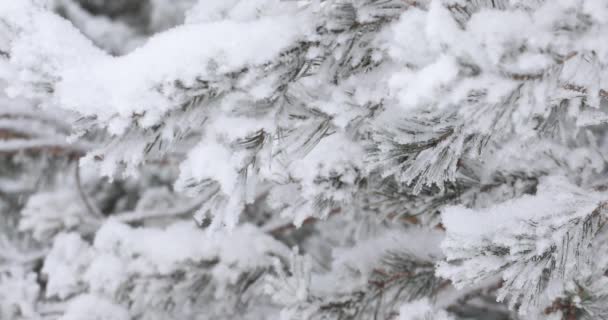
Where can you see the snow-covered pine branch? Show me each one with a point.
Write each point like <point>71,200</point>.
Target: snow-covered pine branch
<point>542,244</point>
<point>427,158</point>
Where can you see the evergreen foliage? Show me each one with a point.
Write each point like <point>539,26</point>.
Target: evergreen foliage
<point>309,159</point>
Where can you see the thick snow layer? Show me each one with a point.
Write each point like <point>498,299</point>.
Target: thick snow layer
<point>132,83</point>
<point>85,79</point>
<point>554,197</point>
<point>154,251</point>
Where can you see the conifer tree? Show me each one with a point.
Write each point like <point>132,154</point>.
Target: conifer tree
<point>309,159</point>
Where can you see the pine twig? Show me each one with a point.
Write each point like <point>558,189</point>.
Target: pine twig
<point>93,209</point>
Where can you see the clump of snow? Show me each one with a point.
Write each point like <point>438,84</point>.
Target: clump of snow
<point>441,29</point>
<point>422,309</point>
<point>93,307</point>
<point>106,274</point>
<point>210,160</point>
<point>496,32</point>
<point>333,154</point>
<point>65,265</point>
<point>47,213</point>
<point>47,45</point>
<point>18,294</point>
<point>416,89</point>
<point>406,32</point>
<point>162,251</point>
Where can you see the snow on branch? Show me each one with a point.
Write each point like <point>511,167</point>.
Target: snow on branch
<point>153,271</point>
<point>540,244</point>
<point>80,77</point>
